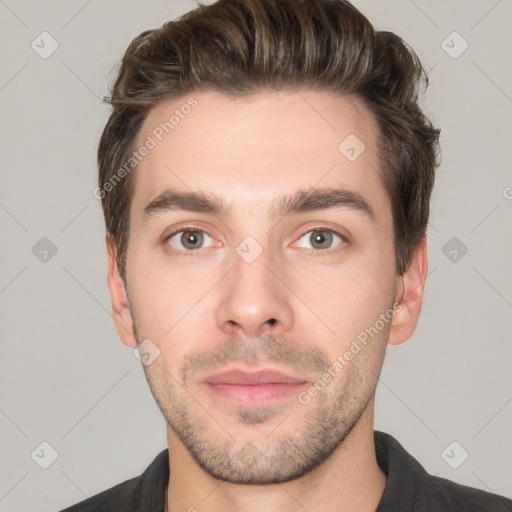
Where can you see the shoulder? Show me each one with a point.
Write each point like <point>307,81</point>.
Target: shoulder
<point>410,487</point>
<point>140,494</point>
<point>442,494</point>
<point>123,495</point>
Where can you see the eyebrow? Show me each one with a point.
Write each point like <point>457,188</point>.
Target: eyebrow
<point>299,202</point>
<point>321,199</point>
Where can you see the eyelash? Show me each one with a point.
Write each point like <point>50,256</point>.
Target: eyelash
<point>314,252</point>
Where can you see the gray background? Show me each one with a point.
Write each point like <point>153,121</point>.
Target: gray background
<point>66,378</point>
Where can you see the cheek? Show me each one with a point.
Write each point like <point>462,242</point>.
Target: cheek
<point>349,297</point>
<point>171,307</point>
<point>157,286</point>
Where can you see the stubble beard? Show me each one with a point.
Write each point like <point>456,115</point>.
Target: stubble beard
<point>232,454</point>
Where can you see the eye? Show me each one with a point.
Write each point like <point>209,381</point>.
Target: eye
<point>321,239</point>
<point>189,239</point>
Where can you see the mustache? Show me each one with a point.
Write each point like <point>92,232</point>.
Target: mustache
<point>255,350</point>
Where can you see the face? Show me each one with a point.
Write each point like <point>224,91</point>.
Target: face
<point>261,267</point>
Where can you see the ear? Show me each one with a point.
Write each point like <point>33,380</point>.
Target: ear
<point>120,308</point>
<point>409,296</point>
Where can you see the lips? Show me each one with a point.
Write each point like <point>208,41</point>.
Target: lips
<point>261,377</point>
<point>253,389</point>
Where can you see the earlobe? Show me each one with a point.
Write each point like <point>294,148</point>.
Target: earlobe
<point>120,307</point>
<point>409,296</point>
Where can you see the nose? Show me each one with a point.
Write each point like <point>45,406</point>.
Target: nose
<point>253,301</point>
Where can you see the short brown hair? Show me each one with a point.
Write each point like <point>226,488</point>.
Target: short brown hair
<point>242,47</point>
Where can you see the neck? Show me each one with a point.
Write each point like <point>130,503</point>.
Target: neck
<point>350,479</point>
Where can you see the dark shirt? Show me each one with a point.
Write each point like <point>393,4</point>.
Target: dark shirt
<point>409,488</point>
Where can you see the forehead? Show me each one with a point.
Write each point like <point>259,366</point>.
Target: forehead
<point>252,149</point>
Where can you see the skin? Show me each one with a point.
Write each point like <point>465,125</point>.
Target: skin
<point>210,309</point>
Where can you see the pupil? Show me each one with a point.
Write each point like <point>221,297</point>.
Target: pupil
<point>321,238</point>
<point>191,238</point>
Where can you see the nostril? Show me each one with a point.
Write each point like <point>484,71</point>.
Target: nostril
<point>272,321</point>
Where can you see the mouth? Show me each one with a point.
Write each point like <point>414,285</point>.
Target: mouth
<point>253,389</point>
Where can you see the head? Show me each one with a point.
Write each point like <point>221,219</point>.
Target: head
<point>265,178</point>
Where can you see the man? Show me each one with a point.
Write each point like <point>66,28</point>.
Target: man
<point>265,178</point>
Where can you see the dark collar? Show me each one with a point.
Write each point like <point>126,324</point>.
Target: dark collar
<point>406,477</point>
